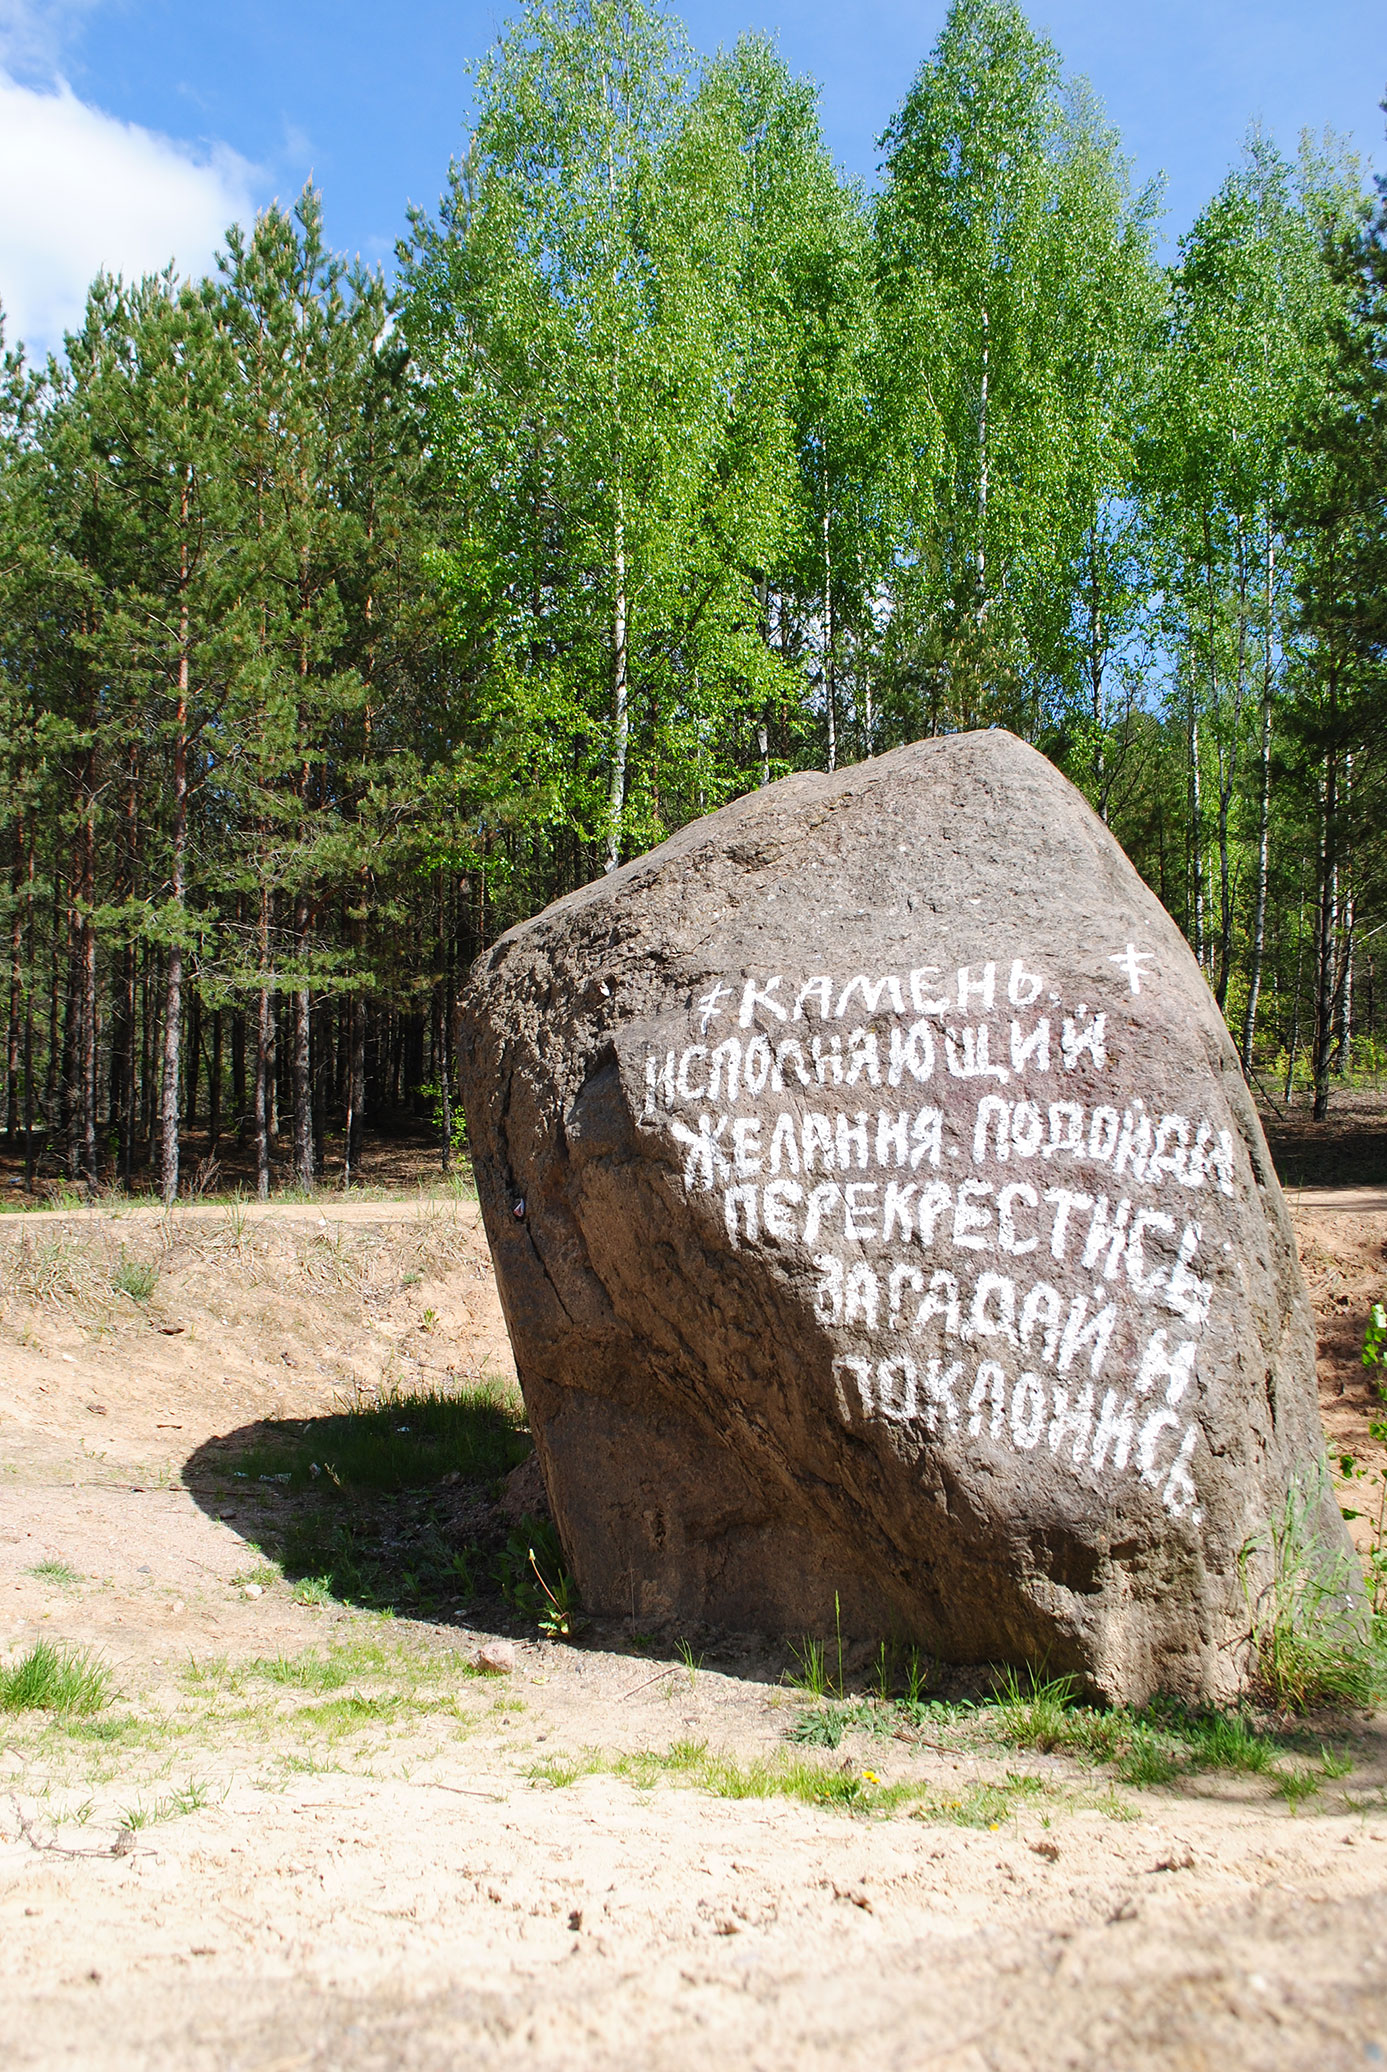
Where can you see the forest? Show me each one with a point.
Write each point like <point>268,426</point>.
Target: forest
<point>346,620</point>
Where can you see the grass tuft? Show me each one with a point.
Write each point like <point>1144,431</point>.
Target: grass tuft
<point>1038,1714</point>
<point>136,1278</point>
<point>54,1679</point>
<point>1314,1640</point>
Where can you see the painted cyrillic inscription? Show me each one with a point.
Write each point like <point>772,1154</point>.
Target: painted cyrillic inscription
<point>1016,1248</point>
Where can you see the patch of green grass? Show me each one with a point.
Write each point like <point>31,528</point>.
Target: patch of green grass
<point>264,1573</point>
<point>410,1440</point>
<point>340,1715</point>
<point>1296,1786</point>
<point>55,1679</point>
<point>810,1673</point>
<point>1154,1747</point>
<point>1214,1740</point>
<point>346,1560</point>
<point>54,1572</point>
<point>312,1672</point>
<point>313,1590</point>
<point>210,1674</point>
<point>694,1765</point>
<point>692,1662</point>
<point>559,1771</point>
<point>1149,1747</point>
<point>1147,1761</point>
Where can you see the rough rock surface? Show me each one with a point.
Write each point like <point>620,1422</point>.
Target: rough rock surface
<point>881,1220</point>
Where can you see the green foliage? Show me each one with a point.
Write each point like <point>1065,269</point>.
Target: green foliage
<point>339,629</point>
<point>1375,1339</point>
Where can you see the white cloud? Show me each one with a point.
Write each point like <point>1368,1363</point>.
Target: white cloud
<point>33,32</point>
<point>81,192</point>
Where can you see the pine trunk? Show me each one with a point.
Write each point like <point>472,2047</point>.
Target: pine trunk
<point>173,980</point>
<point>302,1068</point>
<point>264,1037</point>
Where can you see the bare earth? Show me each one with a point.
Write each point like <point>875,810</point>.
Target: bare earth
<point>305,1836</point>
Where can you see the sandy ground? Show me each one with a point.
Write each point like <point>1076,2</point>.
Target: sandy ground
<point>256,1859</point>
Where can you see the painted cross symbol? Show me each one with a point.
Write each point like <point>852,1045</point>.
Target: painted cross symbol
<point>1131,959</point>
<point>709,1005</point>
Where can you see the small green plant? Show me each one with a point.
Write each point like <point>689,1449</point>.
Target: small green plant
<point>1225,1741</point>
<point>1314,1641</point>
<point>55,1572</point>
<point>811,1671</point>
<point>191,1799</point>
<point>809,1674</point>
<point>534,1577</point>
<point>340,1715</point>
<point>304,1672</point>
<point>917,1669</point>
<point>1375,1337</point>
<point>54,1679</point>
<point>692,1662</point>
<point>824,1727</point>
<point>136,1278</point>
<point>313,1590</point>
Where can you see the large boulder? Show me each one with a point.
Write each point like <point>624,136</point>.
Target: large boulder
<point>885,1232</point>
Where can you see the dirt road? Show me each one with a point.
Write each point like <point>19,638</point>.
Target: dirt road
<point>306,1835</point>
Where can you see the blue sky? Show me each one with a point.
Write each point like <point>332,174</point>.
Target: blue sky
<point>131,130</point>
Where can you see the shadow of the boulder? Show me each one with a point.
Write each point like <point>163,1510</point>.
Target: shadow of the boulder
<point>426,1508</point>
<point>392,1508</point>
